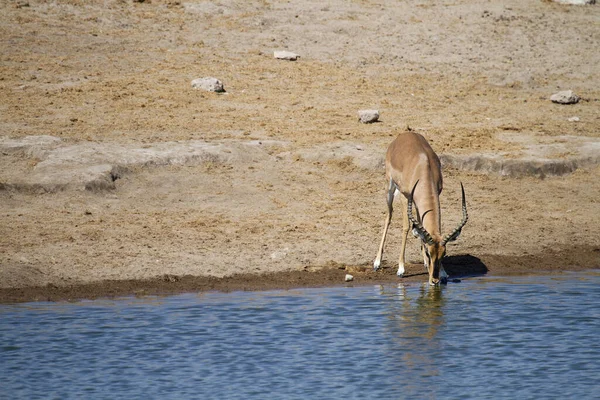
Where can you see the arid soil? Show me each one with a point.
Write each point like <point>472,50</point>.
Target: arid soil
<point>117,177</point>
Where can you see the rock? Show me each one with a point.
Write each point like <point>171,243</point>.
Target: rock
<point>535,157</point>
<point>575,2</point>
<point>95,167</point>
<point>285,55</point>
<point>565,97</point>
<point>349,278</point>
<point>208,84</point>
<point>30,146</point>
<point>573,119</point>
<point>280,254</point>
<point>367,157</point>
<point>368,116</point>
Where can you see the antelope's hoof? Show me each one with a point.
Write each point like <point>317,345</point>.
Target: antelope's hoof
<point>376,265</point>
<point>400,272</point>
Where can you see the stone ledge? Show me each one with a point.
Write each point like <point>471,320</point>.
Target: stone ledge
<point>96,166</point>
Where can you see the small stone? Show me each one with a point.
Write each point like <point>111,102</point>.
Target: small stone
<point>368,116</point>
<point>573,119</point>
<point>280,254</point>
<point>285,55</point>
<point>349,278</point>
<point>208,84</point>
<point>565,97</point>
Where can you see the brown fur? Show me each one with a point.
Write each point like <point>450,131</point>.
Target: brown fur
<point>410,159</point>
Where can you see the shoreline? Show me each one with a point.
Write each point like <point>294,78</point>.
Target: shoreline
<point>458,267</point>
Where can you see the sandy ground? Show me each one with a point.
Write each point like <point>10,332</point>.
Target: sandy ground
<point>293,193</point>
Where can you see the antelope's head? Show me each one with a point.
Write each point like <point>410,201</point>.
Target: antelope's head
<point>433,250</point>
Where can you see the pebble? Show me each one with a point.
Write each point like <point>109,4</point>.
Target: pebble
<point>565,97</point>
<point>368,116</point>
<point>285,55</point>
<point>349,278</point>
<point>208,84</point>
<point>573,119</point>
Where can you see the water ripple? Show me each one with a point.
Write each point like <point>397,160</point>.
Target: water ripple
<point>483,338</point>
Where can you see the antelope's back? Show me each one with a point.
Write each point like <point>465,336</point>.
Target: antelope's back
<point>410,158</point>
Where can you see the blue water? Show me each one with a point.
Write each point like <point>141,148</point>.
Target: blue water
<point>512,338</point>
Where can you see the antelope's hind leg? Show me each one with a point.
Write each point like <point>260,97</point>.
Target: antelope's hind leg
<point>392,188</point>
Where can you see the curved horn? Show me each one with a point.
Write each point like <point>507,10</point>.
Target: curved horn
<point>465,218</point>
<point>425,236</point>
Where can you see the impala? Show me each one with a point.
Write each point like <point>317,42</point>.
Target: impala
<point>413,171</point>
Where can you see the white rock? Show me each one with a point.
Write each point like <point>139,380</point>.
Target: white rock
<point>285,55</point>
<point>565,97</point>
<point>349,278</point>
<point>208,84</point>
<point>573,119</point>
<point>280,254</point>
<point>368,116</point>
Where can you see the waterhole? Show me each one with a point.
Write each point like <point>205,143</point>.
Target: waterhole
<point>486,337</point>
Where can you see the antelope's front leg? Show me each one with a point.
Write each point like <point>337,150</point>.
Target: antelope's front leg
<point>386,224</point>
<point>405,229</point>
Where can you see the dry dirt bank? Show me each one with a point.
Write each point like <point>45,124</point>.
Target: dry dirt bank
<point>295,191</point>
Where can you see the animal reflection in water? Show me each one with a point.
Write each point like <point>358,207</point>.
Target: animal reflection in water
<point>413,325</point>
